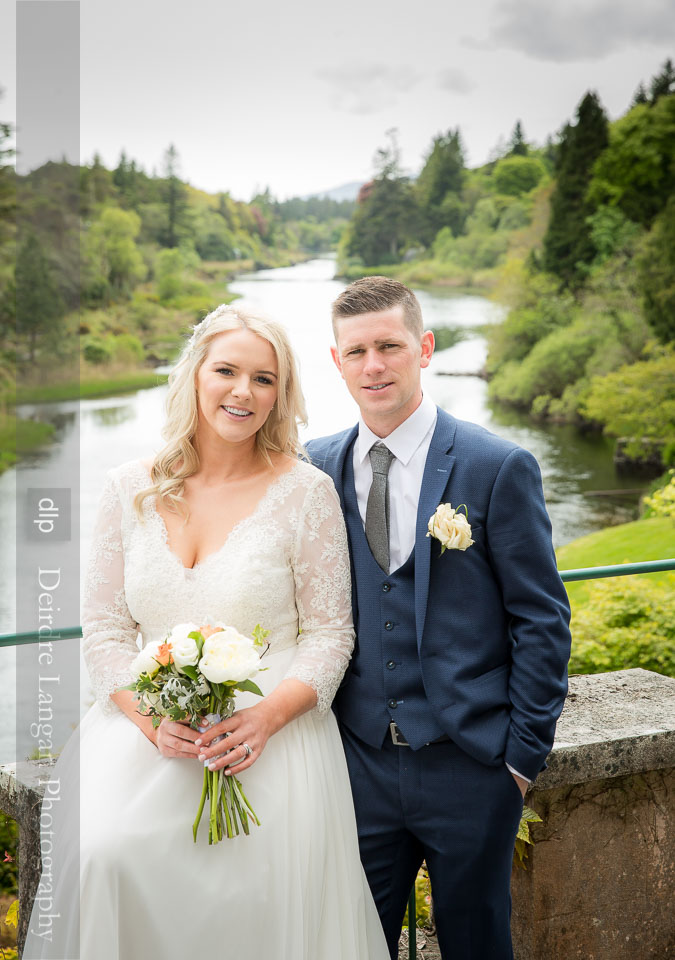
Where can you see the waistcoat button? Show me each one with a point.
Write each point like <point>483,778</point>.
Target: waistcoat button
<point>389,625</point>
<point>386,587</point>
<point>392,704</point>
<point>391,665</point>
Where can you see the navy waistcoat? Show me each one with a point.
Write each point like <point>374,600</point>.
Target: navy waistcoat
<point>385,679</point>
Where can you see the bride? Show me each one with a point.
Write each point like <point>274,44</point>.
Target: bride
<point>225,524</point>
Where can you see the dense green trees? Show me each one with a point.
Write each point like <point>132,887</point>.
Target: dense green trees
<point>439,186</point>
<point>586,353</point>
<point>112,264</point>
<point>568,247</point>
<point>656,266</point>
<point>38,301</point>
<point>386,219</point>
<point>458,219</point>
<point>636,172</point>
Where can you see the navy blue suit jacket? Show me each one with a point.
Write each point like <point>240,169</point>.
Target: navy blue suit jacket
<point>491,621</point>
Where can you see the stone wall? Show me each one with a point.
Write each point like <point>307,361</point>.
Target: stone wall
<point>600,880</point>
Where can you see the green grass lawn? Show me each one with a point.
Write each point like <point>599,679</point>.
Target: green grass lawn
<point>81,389</point>
<point>20,436</point>
<point>650,539</point>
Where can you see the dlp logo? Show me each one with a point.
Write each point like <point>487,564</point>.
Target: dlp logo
<point>48,513</point>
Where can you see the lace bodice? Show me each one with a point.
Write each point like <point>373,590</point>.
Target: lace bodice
<point>285,566</point>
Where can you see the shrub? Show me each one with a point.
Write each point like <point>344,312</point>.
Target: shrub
<point>636,401</point>
<point>96,350</point>
<point>128,349</point>
<point>517,175</point>
<point>626,622</point>
<point>8,841</point>
<point>661,502</point>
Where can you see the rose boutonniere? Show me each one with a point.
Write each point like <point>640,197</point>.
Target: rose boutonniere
<point>451,528</point>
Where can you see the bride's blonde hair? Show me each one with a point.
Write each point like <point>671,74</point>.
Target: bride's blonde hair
<point>179,459</point>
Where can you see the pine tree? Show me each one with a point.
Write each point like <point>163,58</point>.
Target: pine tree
<point>567,245</point>
<point>174,196</point>
<point>517,144</point>
<point>640,95</point>
<point>442,175</point>
<point>387,217</point>
<point>39,305</point>
<point>663,84</point>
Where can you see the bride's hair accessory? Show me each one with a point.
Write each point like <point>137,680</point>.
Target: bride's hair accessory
<point>197,331</point>
<point>200,328</point>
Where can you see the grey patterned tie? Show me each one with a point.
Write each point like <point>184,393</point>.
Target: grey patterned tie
<point>377,508</point>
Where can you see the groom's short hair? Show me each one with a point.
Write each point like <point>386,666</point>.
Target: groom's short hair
<point>372,294</point>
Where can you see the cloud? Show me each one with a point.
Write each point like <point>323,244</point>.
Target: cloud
<point>363,88</point>
<point>577,29</point>
<point>455,80</point>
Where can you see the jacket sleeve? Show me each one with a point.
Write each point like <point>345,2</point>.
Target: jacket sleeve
<point>521,550</point>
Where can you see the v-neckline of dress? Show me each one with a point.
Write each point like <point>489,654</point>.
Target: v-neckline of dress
<point>152,507</point>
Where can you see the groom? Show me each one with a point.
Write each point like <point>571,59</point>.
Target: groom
<point>459,673</point>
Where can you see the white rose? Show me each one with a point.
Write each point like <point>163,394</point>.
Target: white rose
<point>145,662</point>
<point>452,529</point>
<point>184,648</point>
<point>229,657</point>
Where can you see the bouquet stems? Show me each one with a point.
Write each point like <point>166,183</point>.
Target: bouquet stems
<point>229,807</point>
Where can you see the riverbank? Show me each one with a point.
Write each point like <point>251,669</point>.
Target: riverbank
<point>100,386</point>
<point>429,275</point>
<point>19,436</point>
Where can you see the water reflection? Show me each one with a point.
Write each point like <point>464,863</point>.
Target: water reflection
<point>110,431</point>
<point>113,416</point>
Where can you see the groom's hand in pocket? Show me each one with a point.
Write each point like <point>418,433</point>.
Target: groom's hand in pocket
<point>176,739</point>
<point>523,784</point>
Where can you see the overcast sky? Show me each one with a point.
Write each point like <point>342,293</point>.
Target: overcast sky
<point>297,95</point>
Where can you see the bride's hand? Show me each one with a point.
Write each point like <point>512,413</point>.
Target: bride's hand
<point>176,738</point>
<point>252,726</point>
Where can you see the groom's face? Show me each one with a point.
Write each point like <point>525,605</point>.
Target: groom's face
<point>381,360</point>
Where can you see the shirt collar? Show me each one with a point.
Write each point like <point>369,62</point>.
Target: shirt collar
<point>406,438</point>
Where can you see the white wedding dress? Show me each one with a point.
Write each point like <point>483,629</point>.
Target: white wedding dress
<point>122,878</point>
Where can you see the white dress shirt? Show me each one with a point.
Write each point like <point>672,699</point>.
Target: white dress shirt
<point>409,443</point>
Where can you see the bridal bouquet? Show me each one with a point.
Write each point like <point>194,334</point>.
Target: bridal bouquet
<point>194,673</point>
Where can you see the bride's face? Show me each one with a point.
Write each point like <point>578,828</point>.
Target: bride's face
<point>237,386</point>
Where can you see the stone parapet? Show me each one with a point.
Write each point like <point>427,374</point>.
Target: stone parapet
<point>613,724</point>
<point>22,787</point>
<point>600,880</point>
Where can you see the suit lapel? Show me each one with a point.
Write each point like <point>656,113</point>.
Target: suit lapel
<point>435,479</point>
<point>334,461</point>
<point>341,473</point>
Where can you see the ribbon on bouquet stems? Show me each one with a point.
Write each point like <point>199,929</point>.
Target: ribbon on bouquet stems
<point>229,808</point>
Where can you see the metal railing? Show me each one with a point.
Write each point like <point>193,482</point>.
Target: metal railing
<point>567,576</point>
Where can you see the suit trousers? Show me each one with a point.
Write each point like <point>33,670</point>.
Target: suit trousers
<point>440,805</point>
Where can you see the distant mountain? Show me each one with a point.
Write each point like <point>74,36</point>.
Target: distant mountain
<point>348,191</point>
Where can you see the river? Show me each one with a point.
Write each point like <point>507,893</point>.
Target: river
<point>112,430</point>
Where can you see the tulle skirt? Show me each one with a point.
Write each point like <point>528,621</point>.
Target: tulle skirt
<point>123,880</point>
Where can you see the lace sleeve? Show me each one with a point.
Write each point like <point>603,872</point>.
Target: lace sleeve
<point>108,628</point>
<point>323,594</point>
